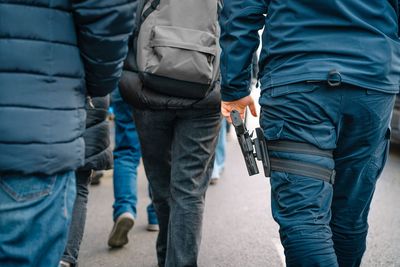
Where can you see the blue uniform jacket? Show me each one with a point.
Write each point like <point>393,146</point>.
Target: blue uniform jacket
<point>51,54</point>
<point>304,40</point>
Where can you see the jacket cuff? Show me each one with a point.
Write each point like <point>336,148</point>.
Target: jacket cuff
<point>229,94</point>
<point>102,89</point>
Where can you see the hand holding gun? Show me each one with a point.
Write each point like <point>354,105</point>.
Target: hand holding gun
<point>251,148</point>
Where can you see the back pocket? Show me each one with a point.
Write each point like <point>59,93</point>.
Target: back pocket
<point>302,87</point>
<point>27,188</point>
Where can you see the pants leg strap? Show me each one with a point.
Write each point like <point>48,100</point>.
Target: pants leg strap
<point>298,167</point>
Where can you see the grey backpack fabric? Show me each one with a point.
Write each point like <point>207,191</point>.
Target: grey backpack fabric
<point>176,46</point>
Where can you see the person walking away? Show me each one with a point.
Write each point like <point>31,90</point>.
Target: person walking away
<point>52,54</point>
<point>171,78</point>
<point>126,161</point>
<point>329,74</point>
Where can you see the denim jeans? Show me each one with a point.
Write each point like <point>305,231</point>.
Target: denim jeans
<point>323,224</point>
<point>178,149</point>
<point>78,221</point>
<point>219,162</point>
<point>126,160</point>
<point>35,213</point>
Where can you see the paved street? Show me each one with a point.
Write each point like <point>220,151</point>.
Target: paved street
<point>238,227</point>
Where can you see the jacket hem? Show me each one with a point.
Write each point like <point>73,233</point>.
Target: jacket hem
<point>269,82</point>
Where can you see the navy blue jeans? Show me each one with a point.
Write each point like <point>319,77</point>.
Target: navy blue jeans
<point>126,160</point>
<point>35,213</point>
<point>323,224</point>
<point>178,149</point>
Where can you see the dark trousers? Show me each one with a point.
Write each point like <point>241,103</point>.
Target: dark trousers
<point>178,153</point>
<point>323,224</point>
<point>78,220</point>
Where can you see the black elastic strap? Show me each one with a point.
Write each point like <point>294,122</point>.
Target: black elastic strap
<point>296,147</point>
<point>303,169</point>
<point>299,167</point>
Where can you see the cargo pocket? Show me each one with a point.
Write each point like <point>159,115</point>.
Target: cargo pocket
<point>379,158</point>
<point>298,108</point>
<point>272,129</point>
<point>27,188</point>
<point>302,87</point>
<point>182,54</point>
<point>274,102</point>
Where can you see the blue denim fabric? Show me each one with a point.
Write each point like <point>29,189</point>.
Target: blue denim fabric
<point>178,152</point>
<point>35,213</point>
<point>78,221</point>
<point>126,159</point>
<point>219,161</point>
<point>151,211</point>
<point>321,224</point>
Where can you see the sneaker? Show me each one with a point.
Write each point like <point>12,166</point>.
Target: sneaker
<point>213,181</point>
<point>153,227</point>
<point>64,264</point>
<point>119,234</point>
<point>95,177</point>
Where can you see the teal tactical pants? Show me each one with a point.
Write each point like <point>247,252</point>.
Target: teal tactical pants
<point>323,224</point>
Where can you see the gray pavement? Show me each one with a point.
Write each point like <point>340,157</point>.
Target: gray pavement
<point>238,227</point>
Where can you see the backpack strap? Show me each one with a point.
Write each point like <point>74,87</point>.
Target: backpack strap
<point>150,9</point>
<point>140,17</point>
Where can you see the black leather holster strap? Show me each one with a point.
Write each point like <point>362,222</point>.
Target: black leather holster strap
<point>298,167</point>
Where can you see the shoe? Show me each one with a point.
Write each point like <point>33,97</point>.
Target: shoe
<point>119,234</point>
<point>64,264</point>
<point>153,227</point>
<point>214,181</point>
<point>95,178</point>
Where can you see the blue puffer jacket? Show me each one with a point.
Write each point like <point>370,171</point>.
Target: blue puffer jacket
<point>305,40</point>
<point>53,53</point>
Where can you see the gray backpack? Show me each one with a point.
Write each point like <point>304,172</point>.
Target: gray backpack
<point>176,46</point>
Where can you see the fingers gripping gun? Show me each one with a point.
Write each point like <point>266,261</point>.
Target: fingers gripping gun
<point>252,149</point>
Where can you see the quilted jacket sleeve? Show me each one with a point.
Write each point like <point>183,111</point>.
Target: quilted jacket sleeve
<point>103,31</point>
<point>240,22</point>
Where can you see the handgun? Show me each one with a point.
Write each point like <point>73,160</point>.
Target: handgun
<point>252,149</point>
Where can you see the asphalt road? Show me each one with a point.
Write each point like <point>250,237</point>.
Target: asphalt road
<point>238,229</point>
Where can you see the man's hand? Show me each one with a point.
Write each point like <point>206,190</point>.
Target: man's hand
<point>239,105</point>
